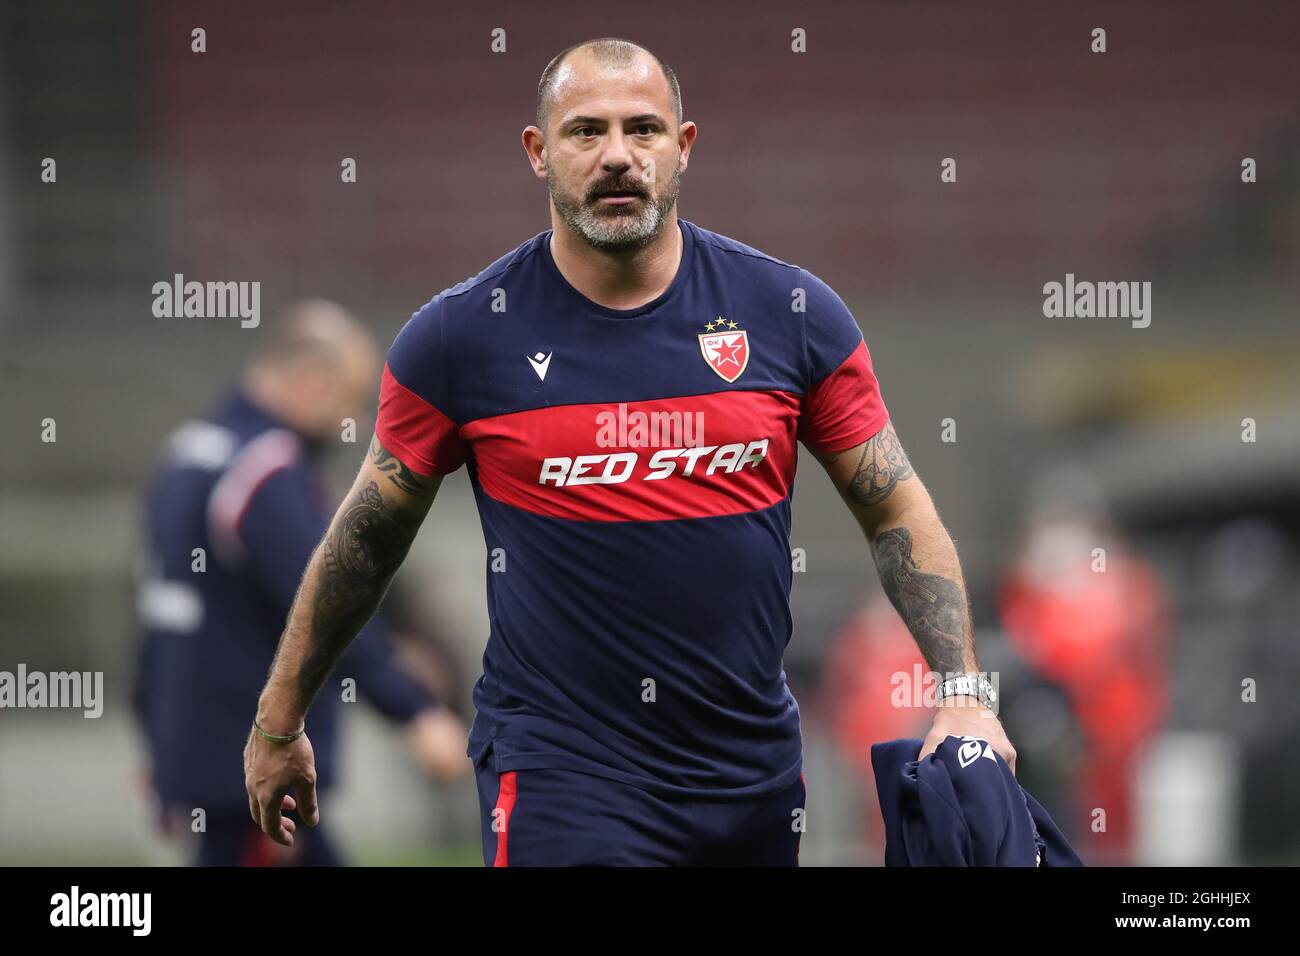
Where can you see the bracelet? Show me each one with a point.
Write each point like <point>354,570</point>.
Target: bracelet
<point>277,738</point>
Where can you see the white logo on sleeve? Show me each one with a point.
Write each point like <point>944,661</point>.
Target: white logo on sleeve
<point>540,363</point>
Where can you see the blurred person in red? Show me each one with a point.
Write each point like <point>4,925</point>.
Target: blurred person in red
<point>1090,615</point>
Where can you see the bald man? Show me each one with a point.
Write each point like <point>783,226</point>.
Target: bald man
<point>627,390</point>
<point>233,514</point>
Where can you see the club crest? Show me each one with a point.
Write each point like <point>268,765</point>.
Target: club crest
<point>725,347</point>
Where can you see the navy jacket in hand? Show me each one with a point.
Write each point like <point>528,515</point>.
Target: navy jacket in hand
<point>961,806</point>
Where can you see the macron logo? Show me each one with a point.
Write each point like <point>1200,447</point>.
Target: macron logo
<point>540,363</point>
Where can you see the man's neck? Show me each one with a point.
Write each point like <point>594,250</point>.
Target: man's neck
<point>618,280</point>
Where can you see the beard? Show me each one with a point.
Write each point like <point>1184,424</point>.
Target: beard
<point>619,228</point>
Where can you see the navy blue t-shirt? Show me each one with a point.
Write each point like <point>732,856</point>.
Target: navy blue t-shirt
<point>633,471</point>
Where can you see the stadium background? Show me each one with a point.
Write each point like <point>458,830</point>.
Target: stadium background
<point>1121,166</point>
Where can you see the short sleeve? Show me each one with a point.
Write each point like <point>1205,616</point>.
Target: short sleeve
<point>414,420</point>
<point>842,406</point>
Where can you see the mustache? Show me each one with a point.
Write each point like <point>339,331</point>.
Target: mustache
<point>635,188</point>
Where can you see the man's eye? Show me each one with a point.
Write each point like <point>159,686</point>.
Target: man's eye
<point>647,127</point>
<point>578,131</point>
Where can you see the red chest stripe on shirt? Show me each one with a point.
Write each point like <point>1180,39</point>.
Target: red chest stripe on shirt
<point>692,457</point>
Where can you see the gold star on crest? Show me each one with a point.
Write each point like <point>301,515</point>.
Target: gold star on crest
<point>720,323</point>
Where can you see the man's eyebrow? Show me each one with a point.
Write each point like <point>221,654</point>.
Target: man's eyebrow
<point>598,121</point>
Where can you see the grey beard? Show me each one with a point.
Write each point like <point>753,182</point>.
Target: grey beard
<point>618,231</point>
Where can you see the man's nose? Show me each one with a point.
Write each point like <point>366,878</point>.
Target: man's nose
<point>617,154</point>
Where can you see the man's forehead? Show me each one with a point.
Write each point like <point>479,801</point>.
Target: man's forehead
<point>583,86</point>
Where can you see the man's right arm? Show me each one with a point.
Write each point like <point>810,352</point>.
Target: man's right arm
<point>348,573</point>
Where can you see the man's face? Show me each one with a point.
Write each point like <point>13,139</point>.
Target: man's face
<point>332,388</point>
<point>612,152</point>
<point>356,382</point>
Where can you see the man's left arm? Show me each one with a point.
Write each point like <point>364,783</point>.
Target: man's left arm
<point>919,570</point>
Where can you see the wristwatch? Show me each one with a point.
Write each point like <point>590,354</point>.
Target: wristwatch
<point>972,685</point>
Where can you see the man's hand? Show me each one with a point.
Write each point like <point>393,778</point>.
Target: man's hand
<point>438,739</point>
<point>920,573</point>
<point>965,716</point>
<point>271,770</point>
<point>345,579</point>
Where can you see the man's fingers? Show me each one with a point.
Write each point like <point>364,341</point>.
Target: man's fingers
<point>288,803</point>
<point>929,746</point>
<point>308,811</point>
<point>273,823</point>
<point>1007,753</point>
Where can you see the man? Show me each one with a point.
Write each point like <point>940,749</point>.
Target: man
<point>633,708</point>
<point>233,514</point>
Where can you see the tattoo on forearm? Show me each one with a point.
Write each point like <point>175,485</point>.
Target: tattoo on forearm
<point>882,466</point>
<point>933,607</point>
<point>397,471</point>
<point>362,550</point>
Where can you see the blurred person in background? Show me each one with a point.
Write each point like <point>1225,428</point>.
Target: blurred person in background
<point>243,486</point>
<point>873,689</point>
<point>1090,615</point>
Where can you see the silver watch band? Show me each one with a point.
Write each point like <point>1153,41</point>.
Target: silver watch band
<point>972,685</point>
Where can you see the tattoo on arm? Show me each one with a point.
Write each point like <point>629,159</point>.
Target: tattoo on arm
<point>362,550</point>
<point>882,466</point>
<point>397,471</point>
<point>933,607</point>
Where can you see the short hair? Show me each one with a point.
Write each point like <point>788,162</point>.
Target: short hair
<point>607,51</point>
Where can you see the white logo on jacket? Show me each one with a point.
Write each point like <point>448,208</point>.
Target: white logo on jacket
<point>973,749</point>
